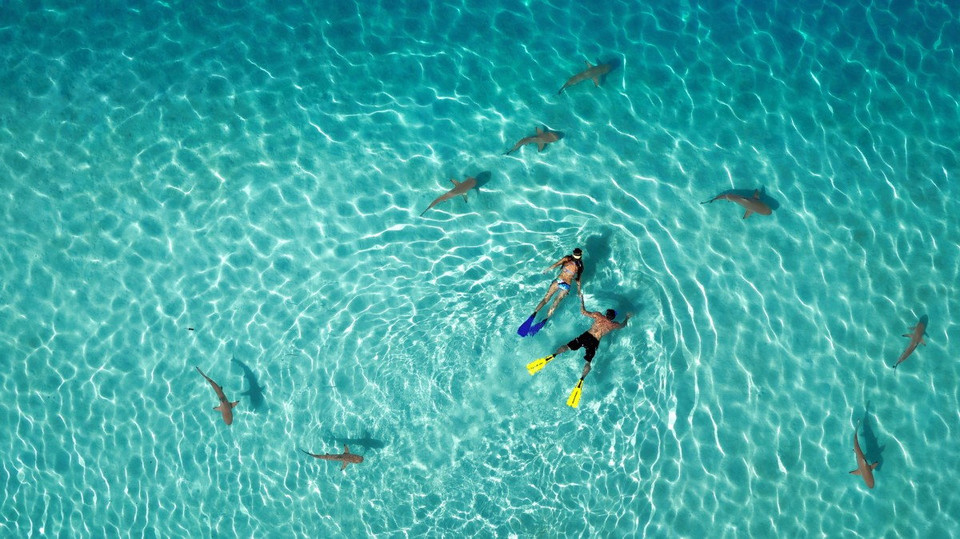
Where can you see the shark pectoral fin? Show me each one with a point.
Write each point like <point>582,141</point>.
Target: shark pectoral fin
<point>856,472</point>
<point>923,342</point>
<point>874,465</point>
<point>465,197</point>
<point>747,213</point>
<point>596,81</point>
<point>756,194</point>
<point>343,466</point>
<point>541,146</point>
<point>905,335</point>
<point>234,404</point>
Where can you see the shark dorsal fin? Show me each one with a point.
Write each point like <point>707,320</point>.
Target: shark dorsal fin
<point>539,131</point>
<point>346,449</point>
<point>589,65</point>
<point>455,182</point>
<point>756,194</point>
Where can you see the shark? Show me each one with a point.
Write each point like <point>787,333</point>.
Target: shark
<point>752,205</point>
<point>344,458</point>
<point>864,469</point>
<point>459,188</point>
<point>226,407</point>
<point>593,72</point>
<point>916,338</point>
<point>256,390</point>
<point>541,139</point>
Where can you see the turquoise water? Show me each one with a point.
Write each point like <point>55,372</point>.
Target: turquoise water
<point>256,173</point>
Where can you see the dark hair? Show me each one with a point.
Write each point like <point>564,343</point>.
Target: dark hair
<point>577,252</point>
<point>611,314</point>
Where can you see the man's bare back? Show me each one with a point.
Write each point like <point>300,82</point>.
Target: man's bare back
<point>601,324</point>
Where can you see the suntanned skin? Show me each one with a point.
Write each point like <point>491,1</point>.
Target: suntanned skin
<point>601,326</point>
<point>567,275</point>
<point>752,205</point>
<point>345,458</point>
<point>593,72</point>
<point>915,338</point>
<point>541,139</point>
<point>864,469</point>
<point>458,189</point>
<point>226,407</point>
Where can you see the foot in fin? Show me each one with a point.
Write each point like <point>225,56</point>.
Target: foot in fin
<point>574,399</point>
<point>537,327</point>
<point>525,326</point>
<point>534,366</point>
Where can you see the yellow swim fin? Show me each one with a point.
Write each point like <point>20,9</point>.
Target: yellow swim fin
<point>574,399</point>
<point>534,366</point>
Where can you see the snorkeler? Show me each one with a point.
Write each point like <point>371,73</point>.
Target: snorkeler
<point>589,340</point>
<point>572,268</point>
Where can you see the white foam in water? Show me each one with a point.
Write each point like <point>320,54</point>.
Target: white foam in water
<point>256,174</point>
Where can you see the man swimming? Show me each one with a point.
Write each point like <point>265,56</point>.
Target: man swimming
<point>571,268</point>
<point>589,340</point>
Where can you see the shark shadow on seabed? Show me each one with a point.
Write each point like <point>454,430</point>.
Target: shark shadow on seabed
<point>872,449</point>
<point>366,441</point>
<point>254,390</point>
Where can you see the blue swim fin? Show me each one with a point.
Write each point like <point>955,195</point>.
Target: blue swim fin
<point>533,330</point>
<point>525,326</point>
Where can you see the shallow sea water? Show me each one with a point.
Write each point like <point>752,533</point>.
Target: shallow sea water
<point>256,173</point>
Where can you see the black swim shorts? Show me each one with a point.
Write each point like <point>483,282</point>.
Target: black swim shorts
<point>586,341</point>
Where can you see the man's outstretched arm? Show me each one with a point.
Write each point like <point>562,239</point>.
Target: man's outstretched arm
<point>583,310</point>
